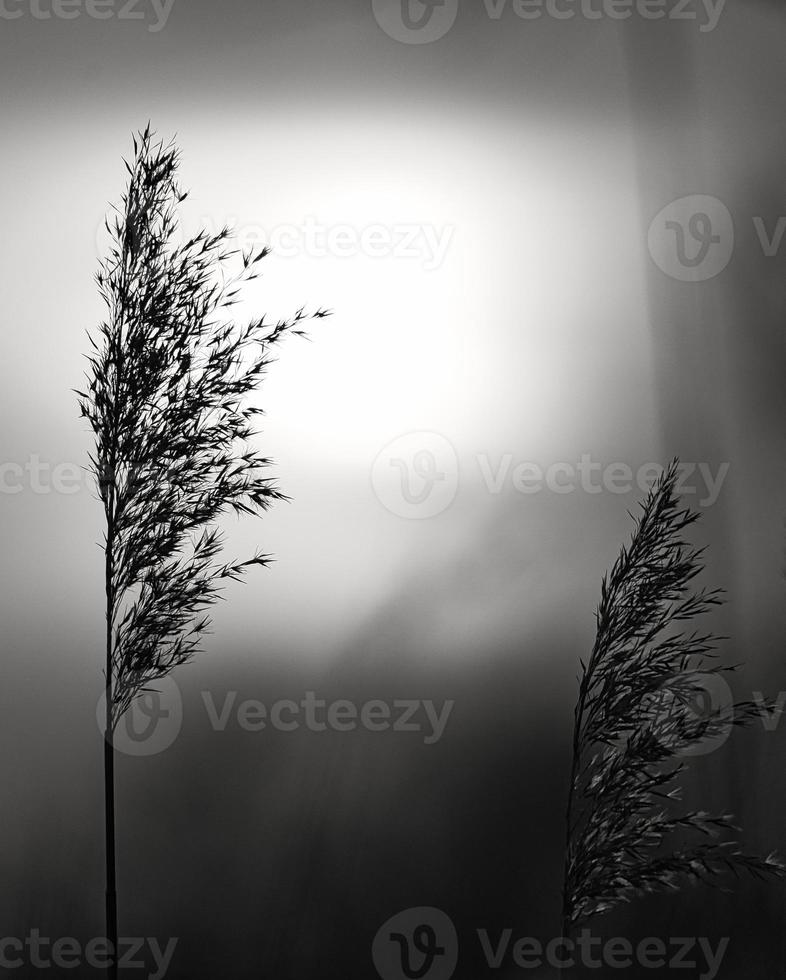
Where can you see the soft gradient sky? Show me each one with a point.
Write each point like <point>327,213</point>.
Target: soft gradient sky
<point>530,338</point>
<point>539,152</point>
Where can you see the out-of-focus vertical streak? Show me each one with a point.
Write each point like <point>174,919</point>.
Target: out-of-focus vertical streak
<point>666,123</point>
<point>689,349</point>
<point>690,359</point>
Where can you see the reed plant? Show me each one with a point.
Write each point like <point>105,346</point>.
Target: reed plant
<point>168,397</point>
<point>636,721</point>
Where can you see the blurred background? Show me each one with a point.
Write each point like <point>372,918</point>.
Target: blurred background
<point>546,240</point>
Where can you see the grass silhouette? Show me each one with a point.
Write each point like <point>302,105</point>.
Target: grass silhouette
<point>167,391</point>
<point>635,722</point>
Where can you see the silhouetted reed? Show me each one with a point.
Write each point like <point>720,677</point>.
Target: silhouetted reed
<point>635,719</point>
<point>167,399</point>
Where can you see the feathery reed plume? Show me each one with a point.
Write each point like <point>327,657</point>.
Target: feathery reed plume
<point>166,398</point>
<point>634,721</point>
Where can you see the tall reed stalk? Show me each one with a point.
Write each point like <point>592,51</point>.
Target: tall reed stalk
<point>168,399</point>
<point>635,722</point>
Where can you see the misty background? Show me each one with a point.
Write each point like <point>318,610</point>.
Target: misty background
<point>538,152</point>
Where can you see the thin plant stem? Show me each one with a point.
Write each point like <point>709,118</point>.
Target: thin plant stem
<point>109,761</point>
